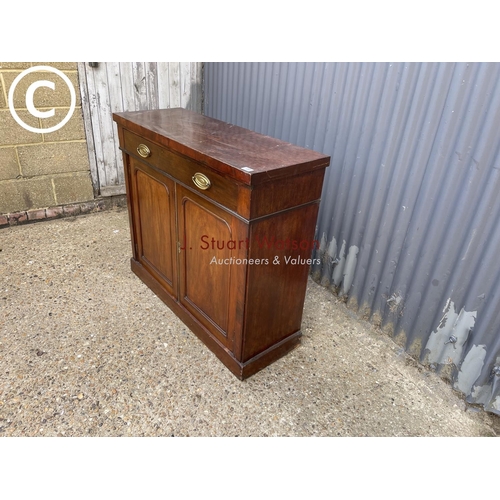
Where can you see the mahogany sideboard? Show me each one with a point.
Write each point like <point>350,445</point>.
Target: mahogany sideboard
<point>222,222</point>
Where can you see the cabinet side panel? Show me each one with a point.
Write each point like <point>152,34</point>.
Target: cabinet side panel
<point>276,291</point>
<point>130,206</point>
<point>270,197</point>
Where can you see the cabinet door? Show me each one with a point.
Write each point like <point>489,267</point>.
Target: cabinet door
<point>153,197</point>
<point>211,265</point>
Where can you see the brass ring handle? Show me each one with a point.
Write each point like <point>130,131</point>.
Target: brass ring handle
<point>201,181</point>
<point>143,150</point>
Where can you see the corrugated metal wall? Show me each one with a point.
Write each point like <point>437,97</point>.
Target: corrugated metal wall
<point>409,220</point>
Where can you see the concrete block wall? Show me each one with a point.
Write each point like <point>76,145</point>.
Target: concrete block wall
<point>39,170</point>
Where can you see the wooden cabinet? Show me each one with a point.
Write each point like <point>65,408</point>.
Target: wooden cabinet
<point>222,222</point>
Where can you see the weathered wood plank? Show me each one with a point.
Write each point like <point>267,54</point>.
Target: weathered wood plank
<point>184,84</point>
<point>106,125</point>
<point>116,106</point>
<point>152,85</point>
<point>174,84</point>
<point>96,125</point>
<point>163,86</point>
<point>127,86</point>
<point>87,124</point>
<point>140,89</point>
<point>193,82</point>
<point>113,190</point>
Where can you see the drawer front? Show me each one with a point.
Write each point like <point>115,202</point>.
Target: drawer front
<point>134,145</point>
<point>190,173</point>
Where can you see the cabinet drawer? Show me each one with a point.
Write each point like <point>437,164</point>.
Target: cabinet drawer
<point>192,174</point>
<point>136,145</point>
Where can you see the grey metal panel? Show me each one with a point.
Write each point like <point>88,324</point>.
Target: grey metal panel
<point>410,207</point>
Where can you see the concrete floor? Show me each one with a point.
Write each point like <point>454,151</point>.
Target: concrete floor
<point>86,349</point>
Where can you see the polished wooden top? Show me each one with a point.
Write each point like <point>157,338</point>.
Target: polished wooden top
<point>241,154</point>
